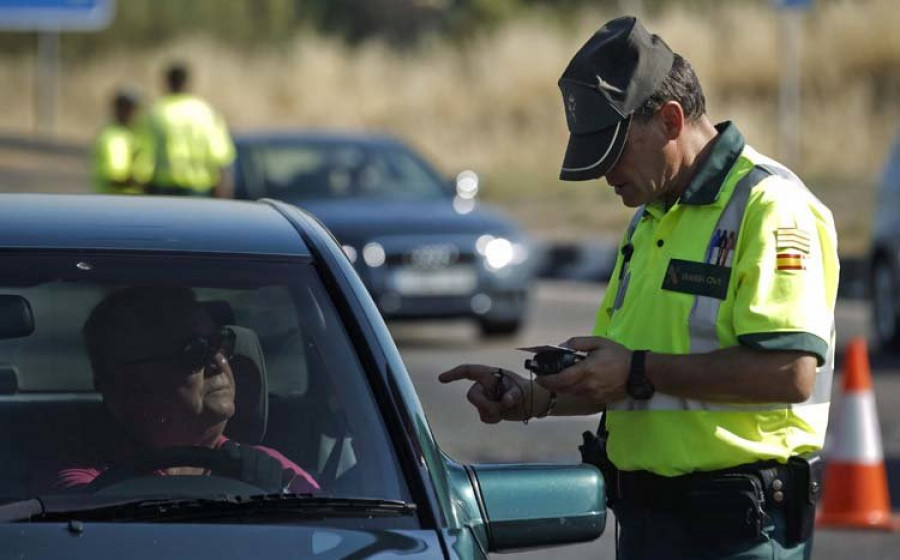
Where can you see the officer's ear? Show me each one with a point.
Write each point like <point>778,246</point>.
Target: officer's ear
<point>671,119</point>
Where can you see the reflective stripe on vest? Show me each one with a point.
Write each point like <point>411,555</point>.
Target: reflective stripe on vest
<point>705,311</point>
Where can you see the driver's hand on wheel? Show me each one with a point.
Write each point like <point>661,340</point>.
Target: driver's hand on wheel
<point>496,393</point>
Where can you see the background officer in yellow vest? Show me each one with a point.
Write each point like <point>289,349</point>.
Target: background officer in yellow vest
<point>114,150</point>
<point>186,143</point>
<point>713,348</point>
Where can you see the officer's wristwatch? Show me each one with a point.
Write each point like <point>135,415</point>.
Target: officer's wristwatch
<point>638,386</point>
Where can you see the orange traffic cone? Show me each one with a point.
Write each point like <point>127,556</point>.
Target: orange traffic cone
<point>856,491</point>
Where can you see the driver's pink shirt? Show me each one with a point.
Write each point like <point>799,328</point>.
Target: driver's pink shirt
<point>302,482</point>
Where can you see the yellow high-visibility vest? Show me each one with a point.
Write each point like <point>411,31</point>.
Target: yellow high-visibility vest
<point>113,160</point>
<point>746,256</point>
<point>185,144</point>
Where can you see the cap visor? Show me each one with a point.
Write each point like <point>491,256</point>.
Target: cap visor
<point>591,156</point>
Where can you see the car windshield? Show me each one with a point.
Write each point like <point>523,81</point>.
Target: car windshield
<point>127,376</point>
<point>337,171</point>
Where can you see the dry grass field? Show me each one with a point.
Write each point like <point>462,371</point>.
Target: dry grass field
<point>492,104</point>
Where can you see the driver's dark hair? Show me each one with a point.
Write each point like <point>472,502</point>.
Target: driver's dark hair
<point>681,85</point>
<point>131,310</point>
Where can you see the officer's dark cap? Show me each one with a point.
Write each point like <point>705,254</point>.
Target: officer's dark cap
<point>610,77</point>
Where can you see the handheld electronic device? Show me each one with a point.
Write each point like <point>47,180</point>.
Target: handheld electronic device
<point>549,359</point>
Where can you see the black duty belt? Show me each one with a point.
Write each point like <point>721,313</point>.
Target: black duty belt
<point>643,488</point>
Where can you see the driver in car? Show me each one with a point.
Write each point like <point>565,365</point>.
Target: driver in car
<point>163,368</point>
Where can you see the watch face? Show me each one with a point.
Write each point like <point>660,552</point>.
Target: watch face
<point>641,391</point>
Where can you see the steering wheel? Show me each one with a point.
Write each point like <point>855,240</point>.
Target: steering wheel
<point>232,473</point>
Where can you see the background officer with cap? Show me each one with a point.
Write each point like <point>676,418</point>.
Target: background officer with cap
<point>713,347</point>
<point>114,150</point>
<point>186,143</point>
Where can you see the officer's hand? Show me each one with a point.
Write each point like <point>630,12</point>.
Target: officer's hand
<point>497,394</point>
<point>600,377</point>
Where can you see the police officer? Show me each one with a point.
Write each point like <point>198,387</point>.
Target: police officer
<point>186,143</point>
<point>713,346</point>
<point>114,150</point>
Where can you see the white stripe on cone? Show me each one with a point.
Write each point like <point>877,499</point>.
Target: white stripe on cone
<point>857,436</point>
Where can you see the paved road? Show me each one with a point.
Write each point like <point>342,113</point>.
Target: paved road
<point>567,309</point>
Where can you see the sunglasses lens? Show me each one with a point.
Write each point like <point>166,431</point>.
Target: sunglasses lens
<point>197,353</point>
<point>201,351</point>
<point>226,342</point>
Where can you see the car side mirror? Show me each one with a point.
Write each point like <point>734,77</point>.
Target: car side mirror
<point>465,196</point>
<point>467,183</point>
<point>16,317</point>
<point>533,505</point>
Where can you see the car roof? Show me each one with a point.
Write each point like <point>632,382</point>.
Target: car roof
<point>315,136</point>
<point>146,223</point>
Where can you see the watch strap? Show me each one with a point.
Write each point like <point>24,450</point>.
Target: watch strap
<point>638,386</point>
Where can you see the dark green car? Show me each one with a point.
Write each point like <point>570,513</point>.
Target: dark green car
<point>318,445</point>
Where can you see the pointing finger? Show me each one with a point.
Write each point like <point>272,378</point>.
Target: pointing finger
<point>477,373</point>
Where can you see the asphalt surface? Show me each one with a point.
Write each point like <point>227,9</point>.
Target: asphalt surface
<point>564,309</point>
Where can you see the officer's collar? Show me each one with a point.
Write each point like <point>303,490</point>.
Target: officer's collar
<point>707,181</point>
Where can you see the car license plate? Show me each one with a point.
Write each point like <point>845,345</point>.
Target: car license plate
<point>457,280</point>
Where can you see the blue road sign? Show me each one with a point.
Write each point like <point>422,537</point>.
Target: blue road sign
<point>55,15</point>
<point>793,4</point>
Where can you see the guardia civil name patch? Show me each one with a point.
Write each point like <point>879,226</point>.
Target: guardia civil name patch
<point>700,279</point>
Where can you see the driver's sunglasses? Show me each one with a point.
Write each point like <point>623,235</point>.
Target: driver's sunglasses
<point>198,351</point>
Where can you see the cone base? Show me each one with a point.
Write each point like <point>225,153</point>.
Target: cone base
<point>855,493</point>
<point>856,496</point>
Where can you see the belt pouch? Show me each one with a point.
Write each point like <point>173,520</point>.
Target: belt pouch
<point>724,507</point>
<point>800,508</point>
<point>593,452</point>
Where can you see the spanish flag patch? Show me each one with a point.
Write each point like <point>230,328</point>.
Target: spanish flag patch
<point>792,260</point>
<point>792,240</point>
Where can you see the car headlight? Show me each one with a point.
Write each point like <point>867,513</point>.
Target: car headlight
<point>350,252</point>
<point>500,252</point>
<point>373,254</point>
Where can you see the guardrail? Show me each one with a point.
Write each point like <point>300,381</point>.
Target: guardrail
<point>43,145</point>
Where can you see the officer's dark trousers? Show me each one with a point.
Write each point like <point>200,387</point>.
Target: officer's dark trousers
<point>647,534</point>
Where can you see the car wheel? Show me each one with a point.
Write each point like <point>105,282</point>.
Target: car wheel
<point>885,322</point>
<point>506,327</point>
